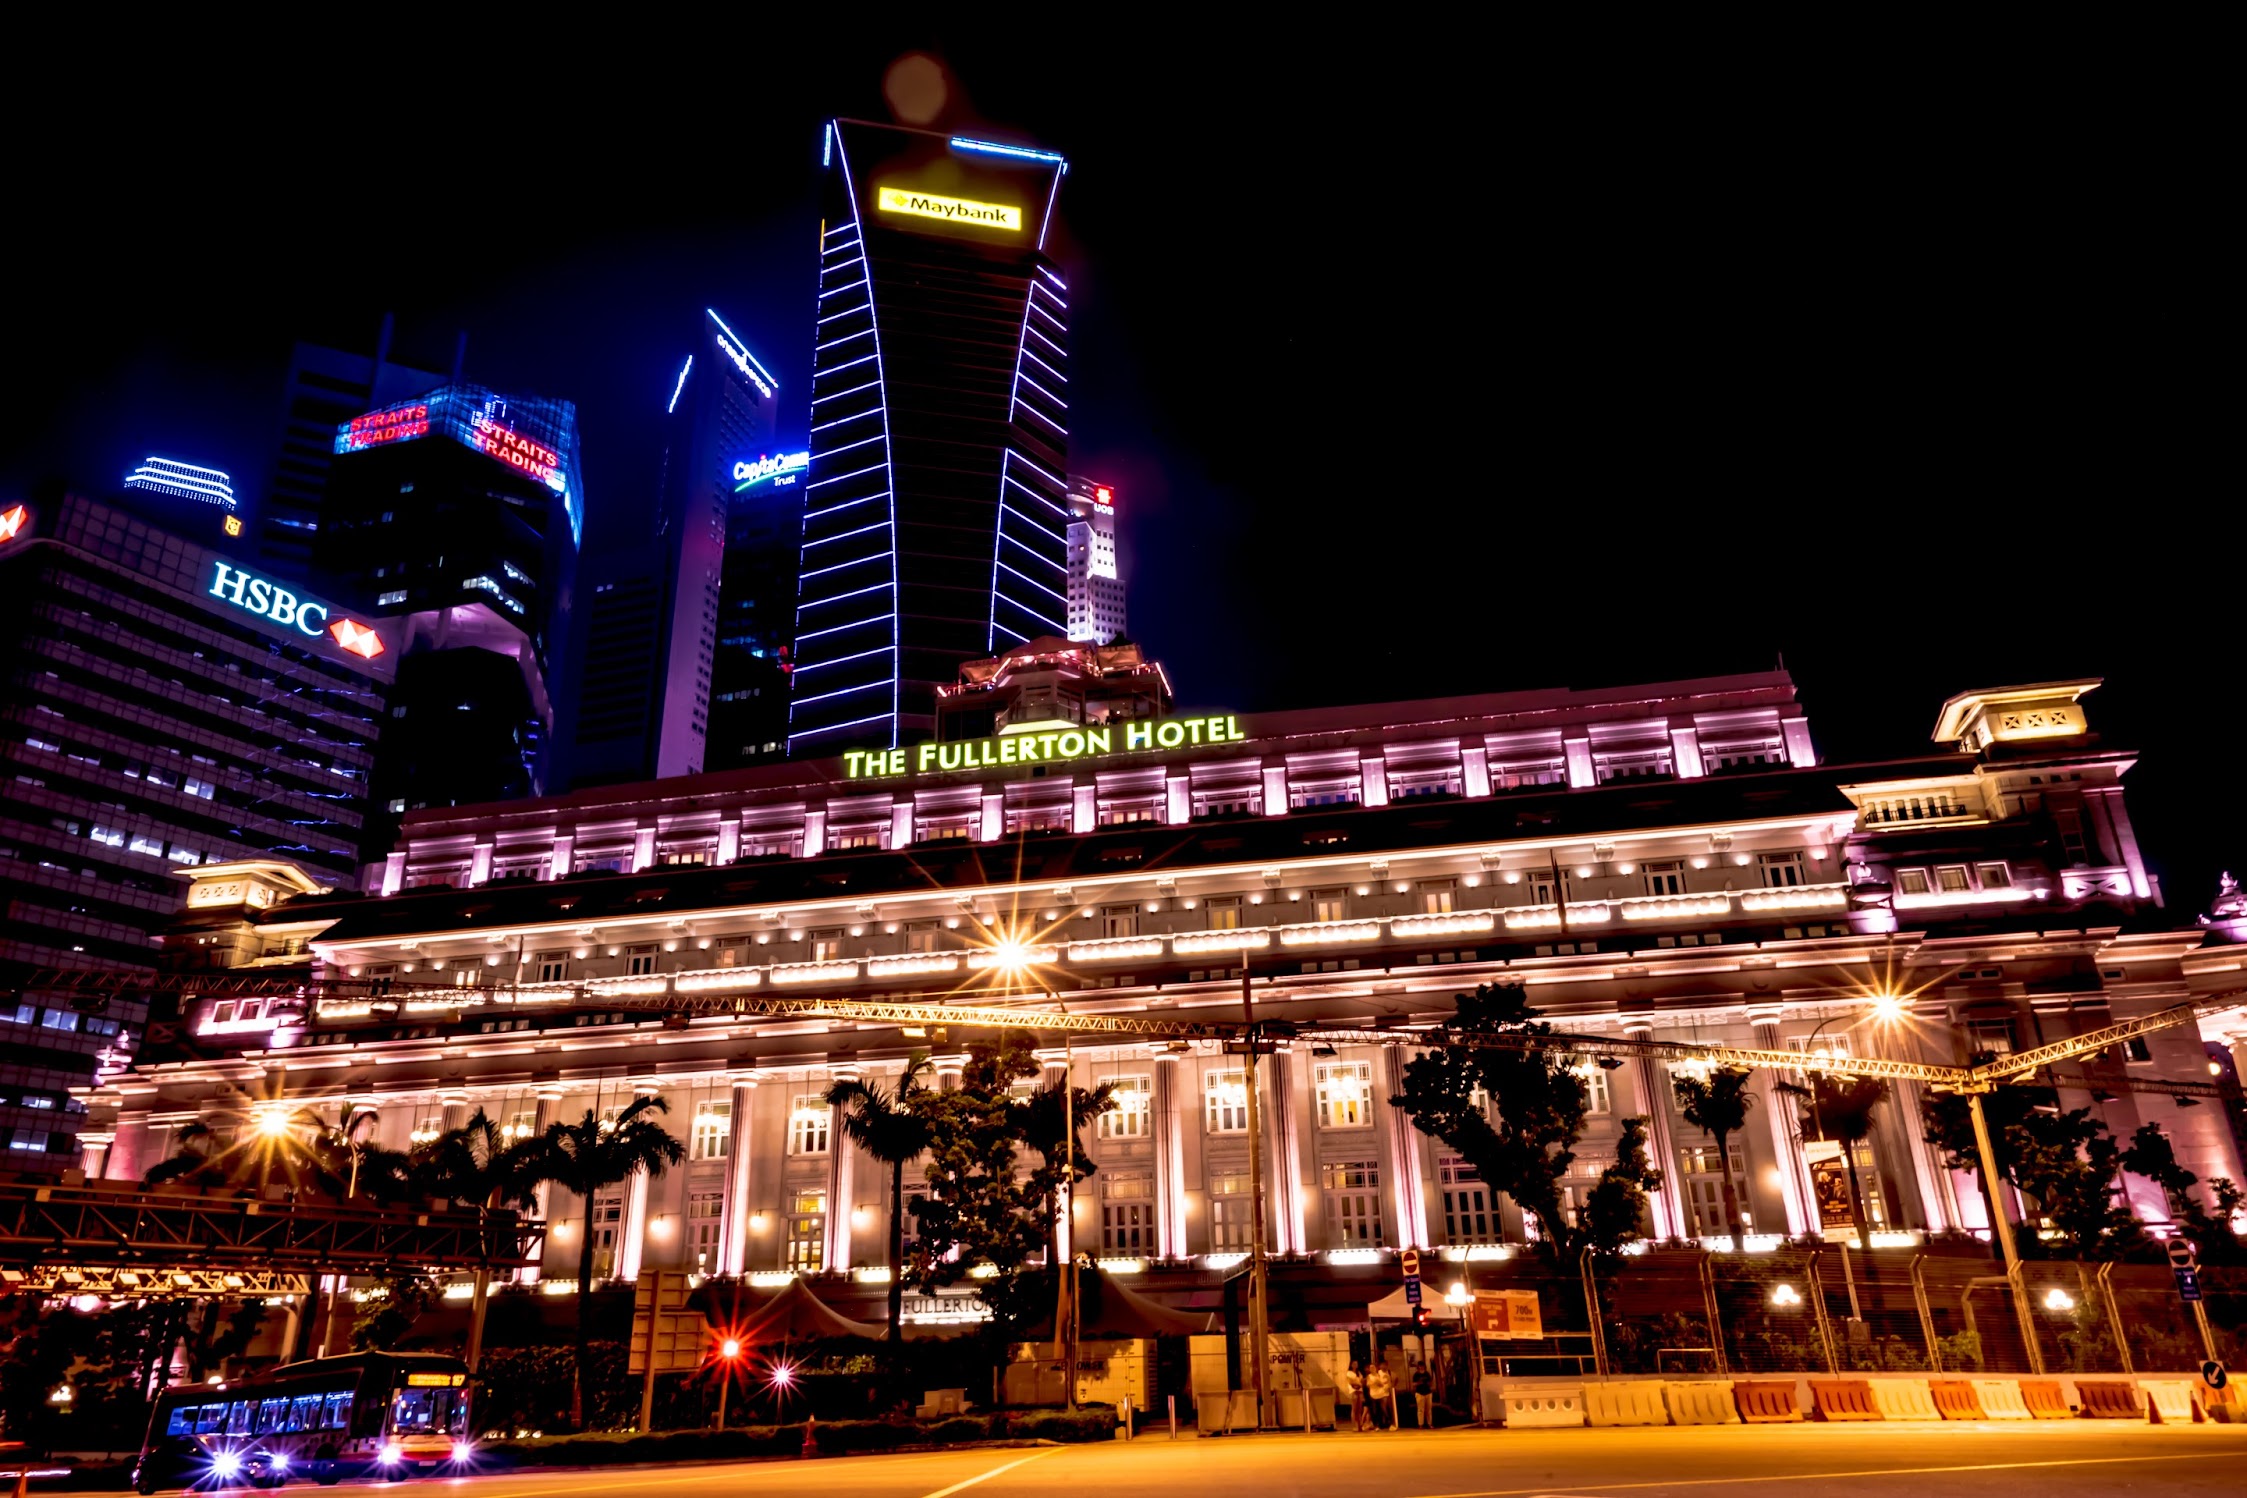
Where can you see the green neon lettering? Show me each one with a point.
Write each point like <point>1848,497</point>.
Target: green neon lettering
<point>1045,745</point>
<point>1006,751</point>
<point>1026,750</point>
<point>1069,749</point>
<point>1139,736</point>
<point>853,760</point>
<point>949,756</point>
<point>1099,740</point>
<point>1170,734</point>
<point>927,756</point>
<point>1194,729</point>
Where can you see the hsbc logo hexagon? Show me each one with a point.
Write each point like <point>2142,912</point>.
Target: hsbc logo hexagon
<point>356,638</point>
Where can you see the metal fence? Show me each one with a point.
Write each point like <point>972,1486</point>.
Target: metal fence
<point>1831,1310</point>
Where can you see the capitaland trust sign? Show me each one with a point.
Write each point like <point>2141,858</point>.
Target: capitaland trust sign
<point>1042,746</point>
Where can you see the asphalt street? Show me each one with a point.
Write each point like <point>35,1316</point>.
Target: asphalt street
<point>2052,1460</point>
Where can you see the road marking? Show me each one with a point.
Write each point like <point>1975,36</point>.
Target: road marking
<point>963,1486</point>
<point>1705,1482</point>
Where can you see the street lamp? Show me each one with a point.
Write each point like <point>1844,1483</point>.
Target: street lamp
<point>2058,1300</point>
<point>1786,1296</point>
<point>729,1356</point>
<point>1459,1299</point>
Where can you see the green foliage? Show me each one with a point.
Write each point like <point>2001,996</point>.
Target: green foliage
<point>1841,1109</point>
<point>1716,1102</point>
<point>1962,1352</point>
<point>974,1211</point>
<point>887,1126</point>
<point>383,1322</point>
<point>2151,1155</point>
<point>1515,1116</point>
<point>2066,1161</point>
<point>306,1155</point>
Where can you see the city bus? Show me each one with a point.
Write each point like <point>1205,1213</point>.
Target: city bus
<point>381,1414</point>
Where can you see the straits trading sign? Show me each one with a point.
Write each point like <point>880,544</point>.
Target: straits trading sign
<point>1039,746</point>
<point>951,210</point>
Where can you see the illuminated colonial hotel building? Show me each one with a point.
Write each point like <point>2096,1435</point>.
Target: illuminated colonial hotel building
<point>935,508</point>
<point>1670,861</point>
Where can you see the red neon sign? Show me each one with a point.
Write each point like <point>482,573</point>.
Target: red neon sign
<point>398,424</point>
<point>1103,494</point>
<point>356,638</point>
<point>11,521</point>
<point>495,439</point>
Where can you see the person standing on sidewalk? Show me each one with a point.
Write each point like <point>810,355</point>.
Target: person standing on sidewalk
<point>1353,1384</point>
<point>1381,1391</point>
<point>1423,1397</point>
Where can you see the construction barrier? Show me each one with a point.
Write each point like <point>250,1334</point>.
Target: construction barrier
<point>2106,1399</point>
<point>1955,1399</point>
<point>1632,1402</point>
<point>2000,1399</point>
<point>2170,1400</point>
<point>1904,1399</point>
<point>1843,1399</point>
<point>1705,1401</point>
<point>2044,1399</point>
<point>1534,1408</point>
<point>1766,1403</point>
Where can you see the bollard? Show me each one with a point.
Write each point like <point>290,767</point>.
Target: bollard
<point>1124,1409</point>
<point>1174,1417</point>
<point>811,1443</point>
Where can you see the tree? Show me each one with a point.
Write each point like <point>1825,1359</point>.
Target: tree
<point>974,1212</point>
<point>1051,1121</point>
<point>1717,1101</point>
<point>1514,1113</point>
<point>1841,1109</point>
<point>479,1165</point>
<point>299,1150</point>
<point>586,1158</point>
<point>2214,1242</point>
<point>2066,1161</point>
<point>887,1126</point>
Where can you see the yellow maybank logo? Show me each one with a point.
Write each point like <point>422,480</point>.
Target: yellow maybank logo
<point>952,210</point>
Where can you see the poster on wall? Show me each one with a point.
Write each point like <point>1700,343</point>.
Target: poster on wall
<point>1507,1315</point>
<point>1829,1182</point>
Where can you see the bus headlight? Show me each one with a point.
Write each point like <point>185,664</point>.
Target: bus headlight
<point>463,1450</point>
<point>391,1454</point>
<point>279,1461</point>
<point>227,1464</point>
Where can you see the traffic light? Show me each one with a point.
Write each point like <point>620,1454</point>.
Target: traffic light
<point>1420,1318</point>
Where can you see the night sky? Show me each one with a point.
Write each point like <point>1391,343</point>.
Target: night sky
<point>1420,369</point>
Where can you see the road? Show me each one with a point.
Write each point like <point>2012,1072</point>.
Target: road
<point>2054,1460</point>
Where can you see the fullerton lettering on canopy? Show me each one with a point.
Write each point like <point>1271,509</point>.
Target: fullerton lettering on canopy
<point>1039,746</point>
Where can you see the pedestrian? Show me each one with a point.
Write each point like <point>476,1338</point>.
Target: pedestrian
<point>1423,1397</point>
<point>1381,1392</point>
<point>1353,1384</point>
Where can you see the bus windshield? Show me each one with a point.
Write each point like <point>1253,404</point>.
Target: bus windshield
<point>429,1412</point>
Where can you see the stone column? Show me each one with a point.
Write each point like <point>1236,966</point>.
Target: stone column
<point>1409,1187</point>
<point>1786,1130</point>
<point>1284,1182</point>
<point>632,1231</point>
<point>1653,1095</point>
<point>1170,1184</point>
<point>480,864</point>
<point>1056,1065</point>
<point>733,1237</point>
<point>729,841</point>
<point>837,1249</point>
<point>93,1157</point>
<point>456,1108</point>
<point>549,1112</point>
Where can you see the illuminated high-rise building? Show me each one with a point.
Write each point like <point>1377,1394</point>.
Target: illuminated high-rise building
<point>189,481</point>
<point>458,514</point>
<point>935,506</point>
<point>656,638</point>
<point>1096,585</point>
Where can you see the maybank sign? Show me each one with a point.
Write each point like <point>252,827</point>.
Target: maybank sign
<point>1038,746</point>
<point>952,210</point>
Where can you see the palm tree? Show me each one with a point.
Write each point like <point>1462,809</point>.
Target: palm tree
<point>887,1126</point>
<point>1841,1108</point>
<point>1047,1124</point>
<point>586,1158</point>
<point>1717,1101</point>
<point>300,1147</point>
<point>478,1164</point>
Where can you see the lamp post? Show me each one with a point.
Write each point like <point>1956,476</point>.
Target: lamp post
<point>1259,1330</point>
<point>1458,1298</point>
<point>729,1357</point>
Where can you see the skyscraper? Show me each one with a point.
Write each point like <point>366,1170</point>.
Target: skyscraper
<point>189,481</point>
<point>653,648</point>
<point>458,515</point>
<point>327,387</point>
<point>934,507</point>
<point>1096,589</point>
<point>757,610</point>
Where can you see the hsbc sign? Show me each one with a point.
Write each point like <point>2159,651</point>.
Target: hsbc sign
<point>308,617</point>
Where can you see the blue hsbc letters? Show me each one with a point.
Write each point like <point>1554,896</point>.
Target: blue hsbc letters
<point>268,600</point>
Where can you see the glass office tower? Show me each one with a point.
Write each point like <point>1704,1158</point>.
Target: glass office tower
<point>935,509</point>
